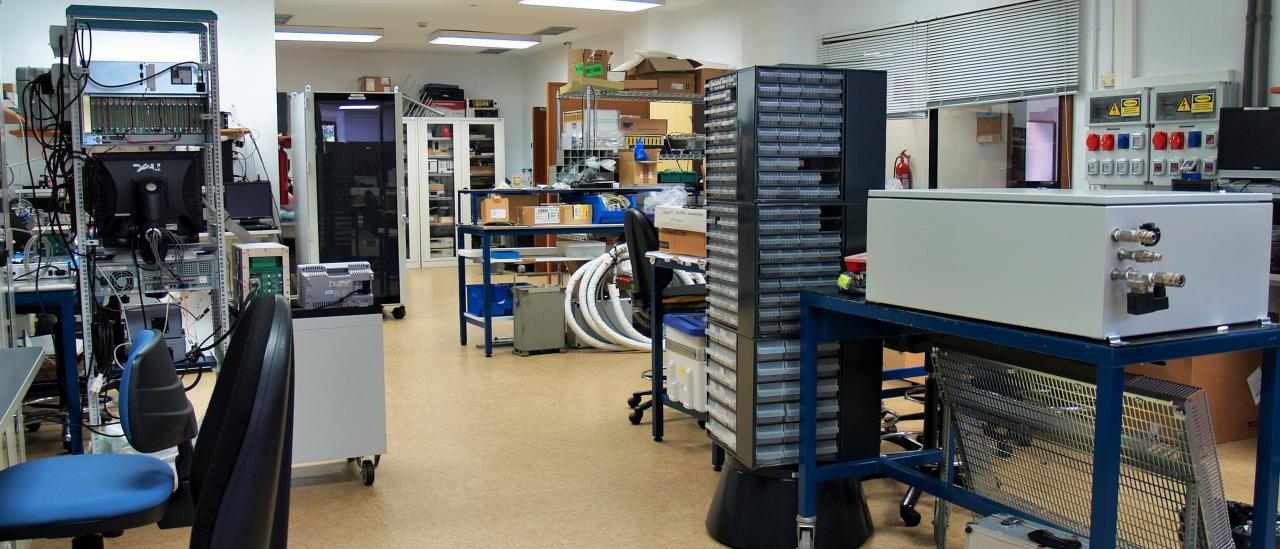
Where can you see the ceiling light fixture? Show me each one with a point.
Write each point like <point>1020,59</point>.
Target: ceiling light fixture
<point>609,5</point>
<point>484,39</point>
<point>287,33</point>
<point>357,107</point>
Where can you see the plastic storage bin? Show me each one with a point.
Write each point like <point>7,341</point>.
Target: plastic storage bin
<point>686,359</point>
<point>601,214</point>
<point>501,302</point>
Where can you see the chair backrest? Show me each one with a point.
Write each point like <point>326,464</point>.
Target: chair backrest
<point>240,467</point>
<point>642,237</point>
<point>154,410</point>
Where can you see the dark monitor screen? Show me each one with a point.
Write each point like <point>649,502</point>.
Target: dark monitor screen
<point>1249,143</point>
<point>250,200</point>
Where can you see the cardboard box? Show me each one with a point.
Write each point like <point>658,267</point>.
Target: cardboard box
<point>637,174</point>
<point>375,84</point>
<point>640,85</point>
<point>518,203</point>
<point>588,63</point>
<point>702,74</point>
<point>670,72</point>
<point>575,214</point>
<point>578,85</point>
<point>435,187</point>
<point>684,219</point>
<point>495,209</point>
<point>632,125</point>
<point>682,242</point>
<point>675,82</point>
<point>1224,379</point>
<point>540,215</point>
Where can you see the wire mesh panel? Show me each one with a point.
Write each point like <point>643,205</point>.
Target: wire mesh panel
<point>1025,438</point>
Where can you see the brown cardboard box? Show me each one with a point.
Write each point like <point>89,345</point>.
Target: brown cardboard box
<point>518,203</point>
<point>895,359</point>
<point>640,84</point>
<point>435,187</point>
<point>1223,377</point>
<point>671,73</point>
<point>682,242</point>
<point>579,84</point>
<point>637,174</point>
<point>575,214</point>
<point>588,63</point>
<point>632,125</point>
<point>540,215</point>
<point>495,209</point>
<point>375,83</point>
<point>675,82</point>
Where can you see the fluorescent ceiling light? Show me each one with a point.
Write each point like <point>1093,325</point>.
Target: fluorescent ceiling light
<point>484,39</point>
<point>286,33</point>
<point>610,5</point>
<point>357,107</point>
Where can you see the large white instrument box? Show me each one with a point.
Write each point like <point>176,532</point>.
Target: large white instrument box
<point>1103,264</point>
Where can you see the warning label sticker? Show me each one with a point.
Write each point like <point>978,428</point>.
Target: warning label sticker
<point>1130,107</point>
<point>1184,105</point>
<point>1202,102</point>
<point>1114,110</point>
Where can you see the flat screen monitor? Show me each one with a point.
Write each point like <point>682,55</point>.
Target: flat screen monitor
<point>1249,143</point>
<point>131,193</point>
<point>250,200</point>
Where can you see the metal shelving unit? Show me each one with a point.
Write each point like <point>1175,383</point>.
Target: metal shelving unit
<point>204,24</point>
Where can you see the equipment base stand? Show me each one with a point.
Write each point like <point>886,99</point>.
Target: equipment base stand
<point>757,509</point>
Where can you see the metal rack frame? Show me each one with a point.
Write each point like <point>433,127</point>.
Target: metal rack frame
<point>205,24</point>
<point>826,318</point>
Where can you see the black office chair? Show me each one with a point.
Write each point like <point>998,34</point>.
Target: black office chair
<point>642,237</point>
<point>232,488</point>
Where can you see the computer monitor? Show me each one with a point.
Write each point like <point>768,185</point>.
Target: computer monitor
<point>131,193</point>
<point>1249,143</point>
<point>250,200</point>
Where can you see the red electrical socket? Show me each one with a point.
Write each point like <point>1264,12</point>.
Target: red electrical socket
<point>1091,142</point>
<point>1159,141</point>
<point>1108,142</point>
<point>1177,140</point>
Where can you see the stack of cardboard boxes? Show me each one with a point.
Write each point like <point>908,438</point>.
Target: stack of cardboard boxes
<point>525,209</point>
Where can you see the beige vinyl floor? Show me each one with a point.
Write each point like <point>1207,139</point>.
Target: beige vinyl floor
<point>528,452</point>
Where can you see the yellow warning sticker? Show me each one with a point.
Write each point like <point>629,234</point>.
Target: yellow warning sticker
<point>1201,103</point>
<point>1184,106</point>
<point>1114,110</point>
<point>1131,107</point>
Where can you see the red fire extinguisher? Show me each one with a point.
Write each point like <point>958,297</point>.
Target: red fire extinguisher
<point>902,169</point>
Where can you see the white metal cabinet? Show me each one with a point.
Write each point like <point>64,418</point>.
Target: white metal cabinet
<point>339,408</point>
<point>453,154</point>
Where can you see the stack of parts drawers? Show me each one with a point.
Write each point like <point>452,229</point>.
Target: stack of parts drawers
<point>791,153</point>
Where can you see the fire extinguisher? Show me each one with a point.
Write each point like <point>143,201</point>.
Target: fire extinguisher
<point>902,169</point>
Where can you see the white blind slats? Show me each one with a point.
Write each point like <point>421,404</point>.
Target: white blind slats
<point>1020,50</point>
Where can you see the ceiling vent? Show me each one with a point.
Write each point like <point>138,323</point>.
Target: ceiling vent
<point>553,31</point>
<point>283,18</point>
<point>493,51</point>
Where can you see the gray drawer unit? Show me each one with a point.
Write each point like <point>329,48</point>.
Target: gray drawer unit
<point>792,153</point>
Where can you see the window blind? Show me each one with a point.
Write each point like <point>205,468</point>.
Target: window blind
<point>1016,51</point>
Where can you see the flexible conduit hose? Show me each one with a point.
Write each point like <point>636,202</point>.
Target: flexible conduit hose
<point>612,323</point>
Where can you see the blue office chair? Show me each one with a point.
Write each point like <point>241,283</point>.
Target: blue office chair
<point>228,500</point>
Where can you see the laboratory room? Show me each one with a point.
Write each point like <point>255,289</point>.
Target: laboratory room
<point>759,274</point>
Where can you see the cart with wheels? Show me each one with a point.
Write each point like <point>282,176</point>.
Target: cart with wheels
<point>339,404</point>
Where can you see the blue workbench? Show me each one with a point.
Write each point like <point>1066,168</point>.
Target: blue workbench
<point>62,299</point>
<point>828,318</point>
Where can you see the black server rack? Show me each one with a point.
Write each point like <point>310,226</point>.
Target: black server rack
<point>792,152</point>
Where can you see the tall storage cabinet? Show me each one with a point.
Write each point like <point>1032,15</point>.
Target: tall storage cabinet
<point>791,154</point>
<point>444,156</point>
<point>348,162</point>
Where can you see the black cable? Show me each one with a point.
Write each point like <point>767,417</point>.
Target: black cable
<point>341,300</point>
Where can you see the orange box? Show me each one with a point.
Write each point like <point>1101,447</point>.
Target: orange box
<point>681,242</point>
<point>375,83</point>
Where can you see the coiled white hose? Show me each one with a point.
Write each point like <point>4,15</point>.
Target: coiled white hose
<point>612,324</point>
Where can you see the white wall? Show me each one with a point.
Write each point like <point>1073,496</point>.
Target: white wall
<point>246,52</point>
<point>497,77</point>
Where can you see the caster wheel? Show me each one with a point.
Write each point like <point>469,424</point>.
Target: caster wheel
<point>702,424</point>
<point>349,460</point>
<point>33,427</point>
<point>633,401</point>
<point>367,469</point>
<point>398,312</point>
<point>909,515</point>
<point>634,417</point>
<point>717,468</point>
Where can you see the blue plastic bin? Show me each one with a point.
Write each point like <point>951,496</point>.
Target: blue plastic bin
<point>690,324</point>
<point>501,301</point>
<point>600,214</point>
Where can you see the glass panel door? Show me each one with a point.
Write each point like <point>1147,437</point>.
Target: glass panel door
<point>482,148</point>
<point>356,185</point>
<point>441,196</point>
